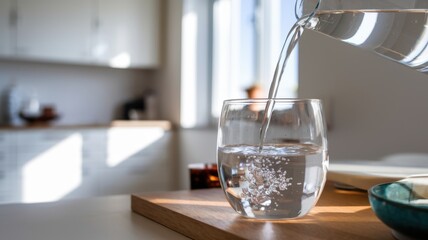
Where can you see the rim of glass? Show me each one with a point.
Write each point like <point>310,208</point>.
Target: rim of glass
<point>264,100</point>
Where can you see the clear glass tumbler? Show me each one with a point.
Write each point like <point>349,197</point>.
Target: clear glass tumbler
<point>283,177</point>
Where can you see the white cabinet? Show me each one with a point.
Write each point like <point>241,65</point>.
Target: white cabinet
<point>9,186</point>
<point>42,165</point>
<point>120,34</point>
<point>128,33</point>
<point>6,23</point>
<point>49,164</point>
<point>56,30</point>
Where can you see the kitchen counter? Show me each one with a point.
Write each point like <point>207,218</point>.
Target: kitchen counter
<point>92,218</point>
<point>163,124</point>
<point>338,215</point>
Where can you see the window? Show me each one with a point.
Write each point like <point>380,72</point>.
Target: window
<point>228,46</point>
<point>247,36</point>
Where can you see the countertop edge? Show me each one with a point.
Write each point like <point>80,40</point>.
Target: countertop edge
<point>163,124</point>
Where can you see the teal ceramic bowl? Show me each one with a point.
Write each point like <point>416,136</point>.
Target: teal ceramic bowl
<point>403,206</point>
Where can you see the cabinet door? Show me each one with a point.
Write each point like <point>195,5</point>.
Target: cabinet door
<point>54,29</point>
<point>9,181</point>
<point>6,24</point>
<point>49,164</point>
<point>128,33</point>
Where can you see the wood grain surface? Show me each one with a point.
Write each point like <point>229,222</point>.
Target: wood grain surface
<point>205,214</point>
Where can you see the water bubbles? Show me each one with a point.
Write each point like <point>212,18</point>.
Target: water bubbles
<point>269,181</point>
<point>283,186</point>
<point>266,201</point>
<point>262,180</point>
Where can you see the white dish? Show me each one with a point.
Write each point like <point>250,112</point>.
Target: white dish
<point>363,174</point>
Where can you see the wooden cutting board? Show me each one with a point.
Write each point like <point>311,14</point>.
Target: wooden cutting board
<point>205,214</point>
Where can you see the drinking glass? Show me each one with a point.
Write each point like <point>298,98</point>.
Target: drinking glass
<point>284,176</point>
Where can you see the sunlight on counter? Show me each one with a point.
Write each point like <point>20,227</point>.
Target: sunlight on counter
<point>123,143</point>
<point>49,176</point>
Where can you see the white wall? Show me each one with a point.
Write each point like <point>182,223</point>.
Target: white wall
<point>195,63</point>
<point>379,107</point>
<point>81,94</point>
<point>168,82</point>
<point>189,145</point>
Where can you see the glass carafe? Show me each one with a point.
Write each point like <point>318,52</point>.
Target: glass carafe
<point>394,29</point>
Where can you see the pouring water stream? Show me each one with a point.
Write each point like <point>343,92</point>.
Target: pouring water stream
<point>395,29</point>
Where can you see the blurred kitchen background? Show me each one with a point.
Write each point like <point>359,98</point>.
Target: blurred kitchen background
<point>114,97</point>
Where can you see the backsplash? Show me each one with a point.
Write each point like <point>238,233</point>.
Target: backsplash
<point>80,94</point>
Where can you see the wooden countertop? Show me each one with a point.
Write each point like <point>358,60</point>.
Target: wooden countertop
<point>205,214</point>
<point>165,125</point>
